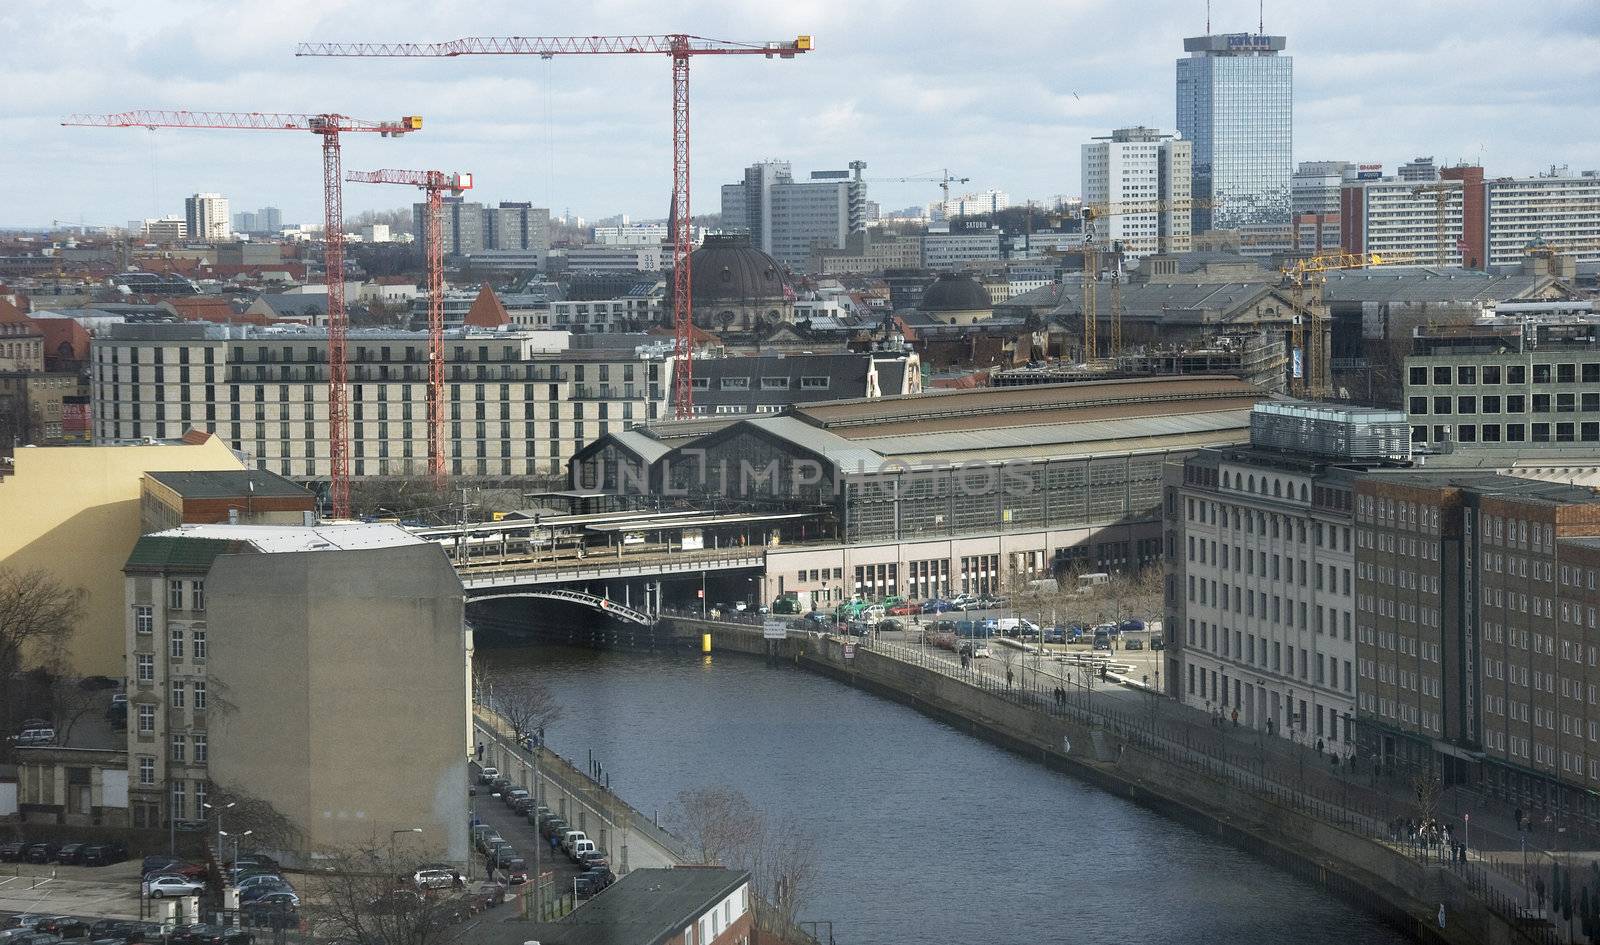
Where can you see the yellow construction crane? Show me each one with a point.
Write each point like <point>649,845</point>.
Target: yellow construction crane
<point>1310,345</point>
<point>1092,250</point>
<point>1440,192</point>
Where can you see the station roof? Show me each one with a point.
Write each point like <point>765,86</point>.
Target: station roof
<point>645,907</point>
<point>355,536</point>
<point>229,483</point>
<point>1430,284</point>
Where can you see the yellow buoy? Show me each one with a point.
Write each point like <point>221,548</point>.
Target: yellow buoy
<point>705,643</point>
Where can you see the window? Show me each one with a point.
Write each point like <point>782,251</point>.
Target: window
<point>175,595</point>
<point>177,695</point>
<point>144,619</point>
<point>199,644</point>
<point>180,798</point>
<point>1517,374</point>
<point>774,383</point>
<point>736,383</point>
<point>197,595</point>
<point>145,664</point>
<point>201,751</point>
<point>199,696</point>
<point>147,769</point>
<point>1419,405</point>
<point>176,643</point>
<point>1419,376</point>
<point>147,719</point>
<point>1491,373</point>
<point>1441,376</point>
<point>1541,373</point>
<point>1491,403</point>
<point>179,744</point>
<point>814,383</point>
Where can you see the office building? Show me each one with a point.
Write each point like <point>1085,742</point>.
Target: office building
<point>517,403</point>
<point>470,229</point>
<point>619,259</point>
<point>1510,387</point>
<point>1140,179</point>
<point>164,229</point>
<point>633,234</point>
<point>1235,103</point>
<point>1261,558</point>
<point>206,217</point>
<point>747,205</point>
<point>869,252</point>
<point>229,631</point>
<point>792,220</point>
<point>461,229</point>
<point>969,241</point>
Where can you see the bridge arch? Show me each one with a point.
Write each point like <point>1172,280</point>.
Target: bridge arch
<point>606,606</point>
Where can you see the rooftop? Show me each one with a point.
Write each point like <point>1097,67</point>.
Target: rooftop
<point>282,539</point>
<point>645,907</point>
<point>226,484</point>
<point>1430,284</point>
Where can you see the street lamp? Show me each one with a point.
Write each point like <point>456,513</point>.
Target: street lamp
<point>219,811</point>
<point>236,839</point>
<point>396,833</point>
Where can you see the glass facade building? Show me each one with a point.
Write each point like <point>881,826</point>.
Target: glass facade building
<point>1235,97</point>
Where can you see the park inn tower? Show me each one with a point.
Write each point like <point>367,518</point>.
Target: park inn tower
<point>1235,98</point>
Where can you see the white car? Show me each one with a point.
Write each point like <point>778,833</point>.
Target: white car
<point>160,887</point>
<point>981,652</point>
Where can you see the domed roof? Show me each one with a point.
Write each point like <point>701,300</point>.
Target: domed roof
<point>953,292</point>
<point>726,268</point>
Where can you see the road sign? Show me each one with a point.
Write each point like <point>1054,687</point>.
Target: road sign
<point>849,651</point>
<point>774,630</point>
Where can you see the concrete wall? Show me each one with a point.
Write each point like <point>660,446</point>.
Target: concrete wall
<point>73,512</point>
<point>336,672</point>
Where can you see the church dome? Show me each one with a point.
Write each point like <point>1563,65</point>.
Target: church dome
<point>727,269</point>
<point>954,293</point>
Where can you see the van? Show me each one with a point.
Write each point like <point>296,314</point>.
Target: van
<point>1095,579</point>
<point>580,847</point>
<point>1017,627</point>
<point>571,837</point>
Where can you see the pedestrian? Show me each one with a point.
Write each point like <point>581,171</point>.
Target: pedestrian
<point>480,752</point>
<point>1235,718</point>
<point>1008,679</point>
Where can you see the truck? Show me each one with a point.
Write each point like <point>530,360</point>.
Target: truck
<point>1017,627</point>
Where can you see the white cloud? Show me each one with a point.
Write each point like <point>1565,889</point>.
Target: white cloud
<point>1003,91</point>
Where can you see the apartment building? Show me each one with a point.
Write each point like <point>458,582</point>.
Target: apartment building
<point>1261,555</point>
<point>283,664</point>
<point>516,403</point>
<point>1140,178</point>
<point>1558,209</point>
<point>1516,386</point>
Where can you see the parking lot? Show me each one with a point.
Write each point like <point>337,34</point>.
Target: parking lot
<point>99,891</point>
<point>560,871</point>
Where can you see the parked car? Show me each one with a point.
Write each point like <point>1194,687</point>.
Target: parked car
<point>964,602</point>
<point>593,859</point>
<point>579,848</point>
<point>104,854</point>
<point>162,887</point>
<point>210,935</point>
<point>12,851</point>
<point>1157,643</point>
<point>571,837</point>
<point>937,606</point>
<point>516,870</point>
<point>486,775</point>
<point>510,795</point>
<point>23,920</point>
<point>890,625</point>
<point>904,609</point>
<point>487,840</point>
<point>1133,645</point>
<point>434,878</point>
<point>281,893</point>
<point>1055,635</point>
<point>254,880</point>
<point>70,854</point>
<point>65,926</point>
<point>1132,625</point>
<point>585,886</point>
<point>601,875</point>
<point>42,852</point>
<point>269,913</point>
<point>500,784</point>
<point>503,855</point>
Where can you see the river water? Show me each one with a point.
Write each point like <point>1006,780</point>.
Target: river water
<point>923,834</point>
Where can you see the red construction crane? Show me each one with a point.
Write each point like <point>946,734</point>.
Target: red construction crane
<point>330,126</point>
<point>434,183</point>
<point>680,46</point>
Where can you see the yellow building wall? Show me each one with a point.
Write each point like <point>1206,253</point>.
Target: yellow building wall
<point>73,512</point>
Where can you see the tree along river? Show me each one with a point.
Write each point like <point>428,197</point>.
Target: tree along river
<point>922,833</point>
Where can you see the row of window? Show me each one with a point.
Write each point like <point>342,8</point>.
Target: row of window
<point>1514,404</point>
<point>1282,567</point>
<point>145,713</point>
<point>1509,433</point>
<point>1247,648</point>
<point>1214,688</point>
<point>1469,375</point>
<point>1266,524</point>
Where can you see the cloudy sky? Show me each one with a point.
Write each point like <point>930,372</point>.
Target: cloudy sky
<point>1001,91</point>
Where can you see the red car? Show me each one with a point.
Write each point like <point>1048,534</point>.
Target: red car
<point>906,609</point>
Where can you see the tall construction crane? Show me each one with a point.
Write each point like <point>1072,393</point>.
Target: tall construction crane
<point>944,181</point>
<point>329,127</point>
<point>1092,250</point>
<point>435,184</point>
<point>681,47</point>
<point>1440,193</point>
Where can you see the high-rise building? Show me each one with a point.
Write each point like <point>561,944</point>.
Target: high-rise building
<point>206,217</point>
<point>1235,98</point>
<point>1419,170</point>
<point>816,214</point>
<point>747,205</point>
<point>245,222</point>
<point>471,229</point>
<point>1559,210</point>
<point>1140,178</point>
<point>461,227</point>
<point>270,219</point>
<point>975,204</point>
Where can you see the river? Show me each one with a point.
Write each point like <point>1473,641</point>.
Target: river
<point>923,833</point>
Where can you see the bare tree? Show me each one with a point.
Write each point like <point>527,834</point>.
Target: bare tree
<point>368,898</point>
<point>719,823</point>
<point>37,616</point>
<point>270,829</point>
<point>722,827</point>
<point>1426,788</point>
<point>71,698</point>
<point>527,706</point>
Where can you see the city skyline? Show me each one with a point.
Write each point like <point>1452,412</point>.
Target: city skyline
<point>592,137</point>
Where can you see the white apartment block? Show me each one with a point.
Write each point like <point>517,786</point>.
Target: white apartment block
<point>1559,210</point>
<point>632,234</point>
<point>1140,180</point>
<point>1263,595</point>
<point>948,250</point>
<point>597,315</point>
<point>1400,219</point>
<point>516,402</point>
